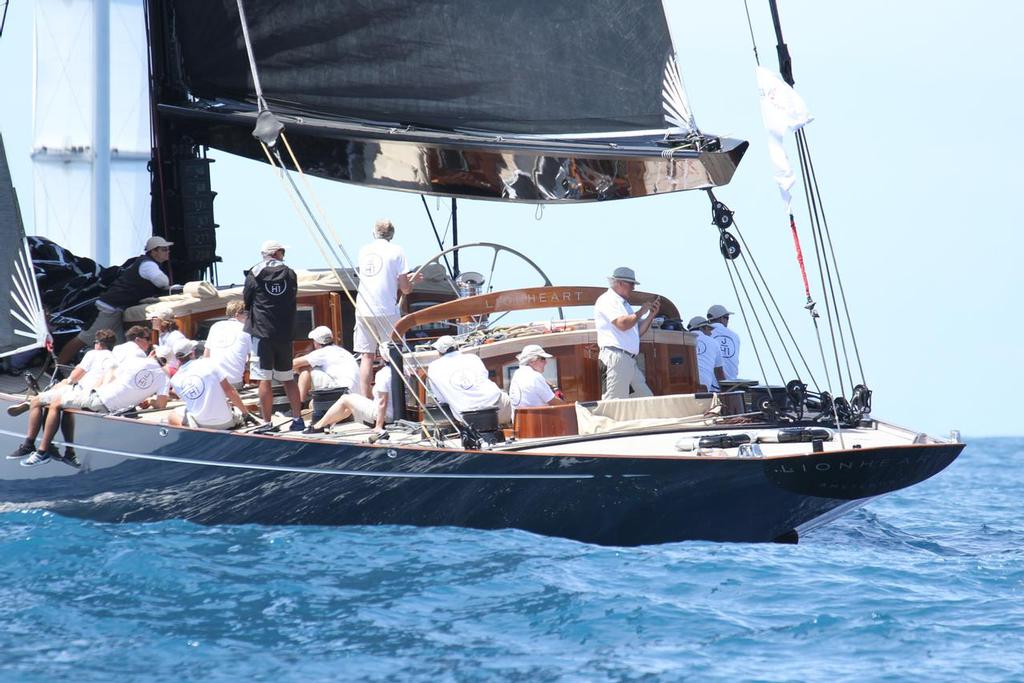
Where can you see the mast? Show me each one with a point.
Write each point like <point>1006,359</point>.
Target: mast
<point>785,61</point>
<point>455,237</point>
<point>101,133</point>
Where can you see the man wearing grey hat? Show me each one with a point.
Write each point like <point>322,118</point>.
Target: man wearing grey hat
<point>709,354</point>
<point>141,278</point>
<point>718,316</point>
<point>619,329</point>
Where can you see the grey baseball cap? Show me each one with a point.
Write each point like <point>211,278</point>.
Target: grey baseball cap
<point>718,311</point>
<point>697,321</point>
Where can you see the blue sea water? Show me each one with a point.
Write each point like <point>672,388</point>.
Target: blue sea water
<point>923,585</point>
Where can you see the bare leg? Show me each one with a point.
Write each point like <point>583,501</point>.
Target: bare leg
<point>51,424</point>
<point>177,417</point>
<point>305,384</point>
<point>266,394</point>
<point>366,375</point>
<point>338,411</point>
<point>291,390</point>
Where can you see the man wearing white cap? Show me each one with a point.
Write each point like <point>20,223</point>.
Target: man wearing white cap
<point>709,353</point>
<point>163,322</point>
<point>327,366</point>
<point>228,344</point>
<point>204,388</point>
<point>718,316</point>
<point>140,279</point>
<point>269,294</point>
<point>461,381</point>
<point>619,329</point>
<point>528,387</point>
<point>382,274</point>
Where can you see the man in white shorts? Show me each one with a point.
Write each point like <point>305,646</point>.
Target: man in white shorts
<point>376,411</point>
<point>382,274</point>
<point>528,387</point>
<point>133,382</point>
<point>709,354</point>
<point>86,375</point>
<point>205,390</point>
<point>229,345</point>
<point>327,366</point>
<point>461,381</point>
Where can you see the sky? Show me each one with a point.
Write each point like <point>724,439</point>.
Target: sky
<point>917,147</point>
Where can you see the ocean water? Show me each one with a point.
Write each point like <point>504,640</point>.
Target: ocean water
<point>924,585</point>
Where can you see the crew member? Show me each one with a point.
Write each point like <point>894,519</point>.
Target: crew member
<point>137,344</point>
<point>461,381</point>
<point>228,344</point>
<point>382,274</point>
<point>718,316</point>
<point>528,387</point>
<point>270,292</point>
<point>327,366</point>
<point>141,278</point>
<point>709,354</point>
<point>163,322</point>
<point>376,411</point>
<point>205,389</point>
<point>619,329</point>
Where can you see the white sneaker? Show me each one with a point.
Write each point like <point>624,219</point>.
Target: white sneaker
<point>37,458</point>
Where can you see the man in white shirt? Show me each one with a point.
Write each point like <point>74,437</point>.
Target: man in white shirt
<point>205,390</point>
<point>376,411</point>
<point>163,322</point>
<point>709,354</point>
<point>461,381</point>
<point>228,344</point>
<point>382,274</point>
<point>619,329</point>
<point>718,316</point>
<point>137,345</point>
<point>327,366</point>
<point>528,387</point>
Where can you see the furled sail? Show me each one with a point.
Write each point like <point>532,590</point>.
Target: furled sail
<point>461,86</point>
<point>24,326</point>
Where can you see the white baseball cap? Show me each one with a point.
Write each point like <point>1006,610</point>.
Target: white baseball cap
<point>322,335</point>
<point>183,347</point>
<point>532,352</point>
<point>270,246</point>
<point>697,321</point>
<point>156,242</point>
<point>444,344</point>
<point>718,311</point>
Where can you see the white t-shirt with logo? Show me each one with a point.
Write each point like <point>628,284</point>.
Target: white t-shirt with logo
<point>136,380</point>
<point>730,344</point>
<point>197,383</point>
<point>461,381</point>
<point>381,387</point>
<point>229,345</point>
<point>338,363</point>
<point>95,363</point>
<point>123,352</point>
<point>607,308</point>
<point>528,388</point>
<point>380,264</point>
<point>709,357</point>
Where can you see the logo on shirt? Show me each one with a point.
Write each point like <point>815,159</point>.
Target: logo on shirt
<point>728,349</point>
<point>702,348</point>
<point>463,380</point>
<point>371,265</point>
<point>275,288</point>
<point>144,379</point>
<point>191,388</point>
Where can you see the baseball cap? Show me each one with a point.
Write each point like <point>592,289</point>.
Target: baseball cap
<point>717,311</point>
<point>532,351</point>
<point>444,344</point>
<point>697,321</point>
<point>270,246</point>
<point>322,335</point>
<point>164,314</point>
<point>625,274</point>
<point>155,243</point>
<point>183,347</point>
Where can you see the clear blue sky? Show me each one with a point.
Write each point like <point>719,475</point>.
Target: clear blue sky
<point>917,147</point>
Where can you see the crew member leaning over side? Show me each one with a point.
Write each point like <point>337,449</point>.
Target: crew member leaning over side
<point>270,292</point>
<point>205,389</point>
<point>141,279</point>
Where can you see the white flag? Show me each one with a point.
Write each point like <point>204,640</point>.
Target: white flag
<point>783,112</point>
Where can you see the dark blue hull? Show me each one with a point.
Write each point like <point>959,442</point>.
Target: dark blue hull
<point>137,471</point>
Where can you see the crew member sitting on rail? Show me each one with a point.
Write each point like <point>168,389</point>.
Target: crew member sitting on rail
<point>709,353</point>
<point>327,366</point>
<point>85,377</point>
<point>229,345</point>
<point>528,387</point>
<point>137,346</point>
<point>461,381</point>
<point>163,323</point>
<point>130,383</point>
<point>619,329</point>
<point>382,273</point>
<point>206,391</point>
<point>376,411</point>
<point>718,316</point>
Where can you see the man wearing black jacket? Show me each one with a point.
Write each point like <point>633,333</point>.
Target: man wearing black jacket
<point>269,294</point>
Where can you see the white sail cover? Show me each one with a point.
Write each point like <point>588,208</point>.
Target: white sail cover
<point>783,112</point>
<point>64,104</point>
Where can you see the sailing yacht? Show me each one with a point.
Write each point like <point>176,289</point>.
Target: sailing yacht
<point>409,96</point>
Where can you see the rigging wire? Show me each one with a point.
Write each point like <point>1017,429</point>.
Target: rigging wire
<point>750,25</point>
<point>437,235</point>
